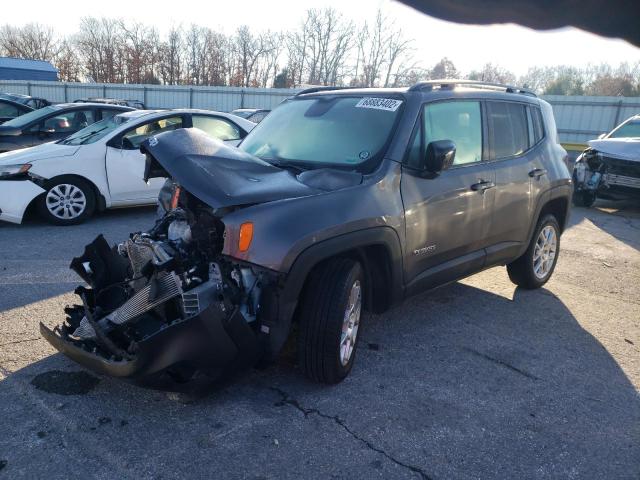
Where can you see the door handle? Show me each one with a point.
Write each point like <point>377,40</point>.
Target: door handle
<point>482,185</point>
<point>537,172</point>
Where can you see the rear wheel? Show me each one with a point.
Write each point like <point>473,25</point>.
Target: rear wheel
<point>534,268</point>
<point>67,201</point>
<point>330,315</point>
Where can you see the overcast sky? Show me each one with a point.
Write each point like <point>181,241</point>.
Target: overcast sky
<point>513,47</point>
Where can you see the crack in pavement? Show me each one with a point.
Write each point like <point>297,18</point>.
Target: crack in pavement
<point>20,341</point>
<point>501,363</point>
<point>286,399</point>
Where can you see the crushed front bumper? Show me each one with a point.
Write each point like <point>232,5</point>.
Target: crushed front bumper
<point>213,341</point>
<point>15,197</point>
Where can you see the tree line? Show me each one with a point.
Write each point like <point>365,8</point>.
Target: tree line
<point>325,49</point>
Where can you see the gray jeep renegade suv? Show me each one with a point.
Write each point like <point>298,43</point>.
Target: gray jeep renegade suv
<point>341,201</point>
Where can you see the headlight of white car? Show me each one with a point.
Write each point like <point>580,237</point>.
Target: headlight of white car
<point>9,171</point>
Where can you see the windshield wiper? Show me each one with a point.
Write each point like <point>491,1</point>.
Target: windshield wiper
<point>288,165</point>
<point>82,138</point>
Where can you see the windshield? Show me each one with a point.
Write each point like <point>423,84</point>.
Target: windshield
<point>95,131</point>
<point>27,118</point>
<point>337,130</point>
<point>627,130</point>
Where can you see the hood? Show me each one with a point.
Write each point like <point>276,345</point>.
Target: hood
<point>221,175</point>
<point>622,148</point>
<point>39,152</point>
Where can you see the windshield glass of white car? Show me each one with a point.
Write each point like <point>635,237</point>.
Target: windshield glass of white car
<point>23,120</point>
<point>627,130</point>
<point>96,131</point>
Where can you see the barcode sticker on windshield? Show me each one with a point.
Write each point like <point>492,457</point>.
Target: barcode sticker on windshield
<point>388,104</point>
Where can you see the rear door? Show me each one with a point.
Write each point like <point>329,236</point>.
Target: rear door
<point>125,164</point>
<point>516,155</point>
<point>448,216</point>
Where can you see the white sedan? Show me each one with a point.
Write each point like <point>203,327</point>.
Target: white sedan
<point>99,166</point>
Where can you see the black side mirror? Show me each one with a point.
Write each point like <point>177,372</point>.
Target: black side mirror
<point>127,144</point>
<point>439,155</point>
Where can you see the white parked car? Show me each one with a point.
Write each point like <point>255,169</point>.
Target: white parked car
<point>99,166</point>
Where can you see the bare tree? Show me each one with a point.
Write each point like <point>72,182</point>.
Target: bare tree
<point>99,43</point>
<point>493,74</point>
<point>171,58</point>
<point>140,50</point>
<point>383,54</point>
<point>269,66</point>
<point>296,45</point>
<point>33,41</point>
<point>328,44</point>
<point>68,63</point>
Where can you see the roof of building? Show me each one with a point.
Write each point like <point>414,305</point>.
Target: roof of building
<point>23,64</point>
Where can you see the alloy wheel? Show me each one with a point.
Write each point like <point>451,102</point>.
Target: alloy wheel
<point>350,323</point>
<point>544,252</point>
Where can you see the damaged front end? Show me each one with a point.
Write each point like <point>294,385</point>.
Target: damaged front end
<point>165,302</point>
<point>606,174</point>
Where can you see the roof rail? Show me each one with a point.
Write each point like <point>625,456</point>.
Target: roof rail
<point>319,89</point>
<point>452,83</point>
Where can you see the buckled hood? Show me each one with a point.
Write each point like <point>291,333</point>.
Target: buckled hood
<point>622,148</point>
<point>223,176</point>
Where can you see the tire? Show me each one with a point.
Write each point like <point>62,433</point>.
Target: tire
<point>322,315</point>
<point>583,198</point>
<point>77,197</point>
<point>530,271</point>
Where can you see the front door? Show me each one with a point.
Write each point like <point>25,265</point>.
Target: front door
<point>125,164</point>
<point>447,217</point>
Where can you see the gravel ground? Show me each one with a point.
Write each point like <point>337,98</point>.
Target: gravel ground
<point>473,380</point>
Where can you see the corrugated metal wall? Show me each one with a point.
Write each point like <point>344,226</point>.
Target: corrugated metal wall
<point>578,118</point>
<point>155,96</point>
<point>582,118</point>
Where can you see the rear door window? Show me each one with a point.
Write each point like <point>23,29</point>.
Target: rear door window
<point>108,113</point>
<point>134,137</point>
<point>508,129</point>
<point>217,127</point>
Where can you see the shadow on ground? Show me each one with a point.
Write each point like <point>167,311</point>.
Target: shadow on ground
<point>620,219</point>
<point>458,383</point>
<point>35,256</point>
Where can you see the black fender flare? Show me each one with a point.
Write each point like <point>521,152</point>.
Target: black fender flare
<point>279,325</point>
<point>552,193</point>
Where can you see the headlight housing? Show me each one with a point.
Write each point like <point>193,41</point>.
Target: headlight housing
<point>12,171</point>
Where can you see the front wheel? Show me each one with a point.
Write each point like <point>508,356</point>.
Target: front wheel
<point>583,198</point>
<point>67,201</point>
<point>534,268</point>
<point>330,316</point>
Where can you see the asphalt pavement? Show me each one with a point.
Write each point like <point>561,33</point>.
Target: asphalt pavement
<point>476,379</point>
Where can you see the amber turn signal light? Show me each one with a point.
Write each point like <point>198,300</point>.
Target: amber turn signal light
<point>246,235</point>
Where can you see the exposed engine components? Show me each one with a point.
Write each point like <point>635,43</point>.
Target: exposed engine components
<point>165,300</point>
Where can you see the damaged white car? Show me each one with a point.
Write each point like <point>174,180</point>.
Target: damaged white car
<point>610,167</point>
<point>100,166</point>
